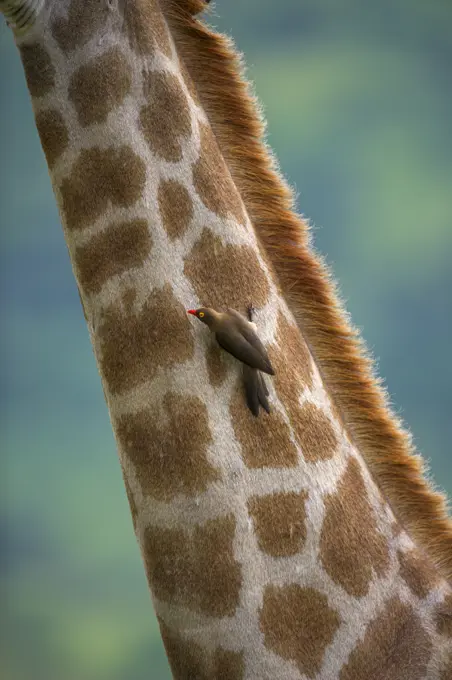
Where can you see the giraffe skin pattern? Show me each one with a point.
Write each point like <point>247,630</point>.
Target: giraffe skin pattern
<point>269,550</point>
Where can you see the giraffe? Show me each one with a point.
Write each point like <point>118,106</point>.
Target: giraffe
<point>306,543</point>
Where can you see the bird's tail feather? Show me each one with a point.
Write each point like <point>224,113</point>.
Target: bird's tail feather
<point>255,390</point>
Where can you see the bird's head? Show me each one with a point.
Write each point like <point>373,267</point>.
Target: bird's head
<point>204,314</point>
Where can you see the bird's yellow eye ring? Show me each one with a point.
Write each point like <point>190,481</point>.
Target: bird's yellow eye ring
<point>201,314</point>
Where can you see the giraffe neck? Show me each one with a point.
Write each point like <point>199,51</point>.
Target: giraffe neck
<point>269,550</point>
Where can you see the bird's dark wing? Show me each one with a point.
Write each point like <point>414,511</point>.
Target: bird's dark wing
<point>255,390</point>
<point>251,336</point>
<point>262,392</point>
<point>237,345</point>
<point>240,318</point>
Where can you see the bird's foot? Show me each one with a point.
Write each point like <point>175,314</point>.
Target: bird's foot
<point>250,311</point>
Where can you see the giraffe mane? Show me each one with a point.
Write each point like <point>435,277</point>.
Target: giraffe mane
<point>216,70</point>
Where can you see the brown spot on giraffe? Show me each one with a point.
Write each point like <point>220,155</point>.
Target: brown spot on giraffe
<point>216,365</point>
<point>225,275</point>
<point>188,660</point>
<point>53,134</point>
<point>168,446</point>
<point>133,346</point>
<point>129,297</point>
<point>280,522</point>
<point>265,441</point>
<point>199,570</point>
<point>165,134</point>
<point>39,70</point>
<point>314,432</point>
<point>99,86</point>
<point>417,572</point>
<point>443,616</point>
<point>349,554</point>
<point>99,178</point>
<point>228,665</point>
<point>116,250</point>
<point>176,207</point>
<point>213,182</point>
<point>84,19</point>
<point>145,27</point>
<point>446,671</point>
<point>298,625</point>
<point>395,647</point>
<point>292,362</point>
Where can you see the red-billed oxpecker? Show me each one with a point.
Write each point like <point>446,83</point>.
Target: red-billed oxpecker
<point>238,336</point>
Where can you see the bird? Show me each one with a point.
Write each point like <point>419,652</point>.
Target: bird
<point>237,335</point>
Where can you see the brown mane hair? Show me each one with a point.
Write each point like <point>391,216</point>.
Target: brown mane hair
<point>216,71</point>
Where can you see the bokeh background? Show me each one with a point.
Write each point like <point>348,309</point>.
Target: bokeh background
<point>358,98</point>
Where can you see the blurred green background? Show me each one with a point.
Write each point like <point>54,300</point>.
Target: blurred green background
<point>358,98</point>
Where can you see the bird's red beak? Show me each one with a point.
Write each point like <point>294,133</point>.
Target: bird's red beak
<point>191,311</point>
